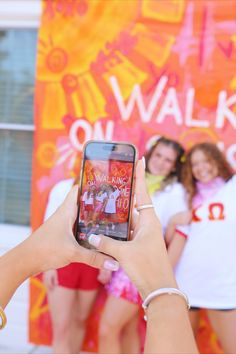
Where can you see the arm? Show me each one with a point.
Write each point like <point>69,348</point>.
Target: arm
<point>168,327</point>
<point>16,266</point>
<point>176,247</point>
<point>51,246</point>
<point>182,218</point>
<point>146,262</point>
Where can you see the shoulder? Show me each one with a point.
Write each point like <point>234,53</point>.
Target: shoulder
<point>62,187</point>
<point>230,185</point>
<point>57,196</point>
<point>176,188</point>
<point>232,181</point>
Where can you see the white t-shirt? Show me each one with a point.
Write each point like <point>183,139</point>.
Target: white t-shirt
<point>101,197</point>
<point>57,196</point>
<point>88,200</point>
<point>168,202</point>
<point>110,207</point>
<point>206,271</point>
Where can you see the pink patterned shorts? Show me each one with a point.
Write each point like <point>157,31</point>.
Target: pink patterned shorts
<point>98,207</point>
<point>120,286</point>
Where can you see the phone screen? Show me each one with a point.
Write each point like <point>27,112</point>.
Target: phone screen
<point>106,191</point>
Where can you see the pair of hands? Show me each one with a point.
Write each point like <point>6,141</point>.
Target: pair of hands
<point>144,258</point>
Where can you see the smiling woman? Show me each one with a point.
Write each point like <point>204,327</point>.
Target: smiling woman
<point>121,313</point>
<point>209,282</point>
<point>205,162</point>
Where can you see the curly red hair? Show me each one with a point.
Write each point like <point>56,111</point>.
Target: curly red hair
<point>214,155</point>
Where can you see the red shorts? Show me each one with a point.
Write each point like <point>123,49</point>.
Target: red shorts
<point>88,207</point>
<point>78,276</point>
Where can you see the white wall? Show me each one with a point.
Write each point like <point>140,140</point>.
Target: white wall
<point>20,13</point>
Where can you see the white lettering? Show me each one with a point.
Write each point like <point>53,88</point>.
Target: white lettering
<point>99,134</point>
<point>77,126</point>
<point>224,111</point>
<point>189,121</point>
<point>82,131</point>
<point>170,107</point>
<point>136,97</point>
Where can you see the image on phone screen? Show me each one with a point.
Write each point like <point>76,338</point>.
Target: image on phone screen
<point>106,191</point>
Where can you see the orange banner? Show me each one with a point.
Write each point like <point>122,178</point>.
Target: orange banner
<point>128,70</point>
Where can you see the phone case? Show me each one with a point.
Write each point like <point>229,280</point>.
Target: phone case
<point>111,233</point>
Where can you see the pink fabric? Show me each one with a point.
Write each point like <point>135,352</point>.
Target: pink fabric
<point>207,190</point>
<point>98,207</point>
<point>121,287</point>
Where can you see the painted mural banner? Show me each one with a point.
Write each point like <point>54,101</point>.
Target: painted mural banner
<point>128,70</point>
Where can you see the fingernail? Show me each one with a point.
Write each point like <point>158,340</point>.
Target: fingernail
<point>144,162</point>
<point>94,240</point>
<point>110,265</point>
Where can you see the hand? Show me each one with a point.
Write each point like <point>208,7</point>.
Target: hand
<point>182,218</point>
<point>53,245</point>
<point>104,276</point>
<point>50,279</point>
<point>144,258</point>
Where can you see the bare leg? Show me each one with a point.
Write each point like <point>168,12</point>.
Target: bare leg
<point>84,304</point>
<point>224,324</point>
<point>61,304</point>
<point>130,337</point>
<point>117,313</point>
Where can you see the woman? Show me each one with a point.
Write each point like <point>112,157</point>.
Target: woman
<point>113,194</point>
<point>100,202</point>
<point>53,245</point>
<point>206,270</point>
<point>88,200</point>
<point>121,313</point>
<point>71,290</point>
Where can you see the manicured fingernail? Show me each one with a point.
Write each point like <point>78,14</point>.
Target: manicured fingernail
<point>94,240</point>
<point>144,162</point>
<point>110,265</point>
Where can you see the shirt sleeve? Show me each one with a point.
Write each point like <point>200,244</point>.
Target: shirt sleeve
<point>56,197</point>
<point>176,203</point>
<point>84,197</point>
<point>116,193</point>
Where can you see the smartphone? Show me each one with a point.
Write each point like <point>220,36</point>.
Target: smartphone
<point>106,191</point>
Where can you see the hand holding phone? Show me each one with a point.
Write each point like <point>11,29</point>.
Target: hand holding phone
<point>106,190</point>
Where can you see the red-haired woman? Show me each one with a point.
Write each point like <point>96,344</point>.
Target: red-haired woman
<point>206,270</point>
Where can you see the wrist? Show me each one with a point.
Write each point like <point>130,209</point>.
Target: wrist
<point>161,277</point>
<point>36,255</point>
<point>160,292</point>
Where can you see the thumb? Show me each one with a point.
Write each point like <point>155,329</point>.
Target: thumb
<point>105,245</point>
<point>142,196</point>
<point>95,259</point>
